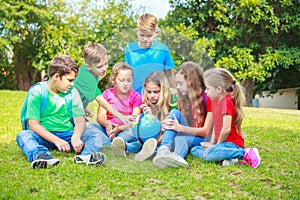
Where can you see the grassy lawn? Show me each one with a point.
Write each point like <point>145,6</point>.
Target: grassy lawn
<point>274,132</point>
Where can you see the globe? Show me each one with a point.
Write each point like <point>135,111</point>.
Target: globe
<point>146,126</point>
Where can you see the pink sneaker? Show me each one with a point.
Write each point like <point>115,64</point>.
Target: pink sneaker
<point>251,157</point>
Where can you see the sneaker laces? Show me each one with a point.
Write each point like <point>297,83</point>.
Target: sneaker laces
<point>44,156</point>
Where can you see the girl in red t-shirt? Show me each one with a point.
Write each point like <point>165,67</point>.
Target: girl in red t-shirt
<point>227,142</point>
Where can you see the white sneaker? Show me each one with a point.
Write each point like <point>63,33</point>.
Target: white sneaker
<point>94,159</point>
<point>118,147</point>
<point>230,162</point>
<point>147,151</point>
<point>165,158</point>
<point>44,161</point>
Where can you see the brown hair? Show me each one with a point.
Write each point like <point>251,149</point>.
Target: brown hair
<point>62,65</point>
<point>94,53</point>
<point>118,67</point>
<point>193,75</point>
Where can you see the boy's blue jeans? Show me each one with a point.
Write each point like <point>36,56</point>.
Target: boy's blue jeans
<point>219,152</point>
<point>183,142</point>
<point>98,128</point>
<point>32,144</point>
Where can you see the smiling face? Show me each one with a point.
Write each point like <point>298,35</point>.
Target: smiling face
<point>123,82</point>
<point>181,84</point>
<point>153,92</point>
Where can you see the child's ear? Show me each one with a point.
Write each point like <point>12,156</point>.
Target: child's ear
<point>157,32</point>
<point>219,89</point>
<point>56,75</point>
<point>113,80</point>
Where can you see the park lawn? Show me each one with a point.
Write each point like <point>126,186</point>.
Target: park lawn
<point>274,132</point>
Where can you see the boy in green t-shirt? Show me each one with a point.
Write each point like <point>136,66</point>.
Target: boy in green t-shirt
<point>53,128</point>
<point>89,75</point>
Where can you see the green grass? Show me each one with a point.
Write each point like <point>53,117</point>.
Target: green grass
<point>274,132</point>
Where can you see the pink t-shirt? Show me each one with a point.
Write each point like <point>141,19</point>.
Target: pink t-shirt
<point>123,105</point>
<point>226,107</point>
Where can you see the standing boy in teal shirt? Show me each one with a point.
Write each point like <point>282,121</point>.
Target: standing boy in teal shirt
<point>148,55</point>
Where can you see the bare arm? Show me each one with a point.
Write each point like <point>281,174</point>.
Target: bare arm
<point>101,119</point>
<point>226,128</point>
<point>202,131</point>
<point>107,106</point>
<point>135,112</point>
<point>170,75</point>
<point>79,128</point>
<point>36,127</point>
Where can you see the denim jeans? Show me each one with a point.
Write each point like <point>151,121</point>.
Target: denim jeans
<point>133,147</point>
<point>219,152</point>
<point>132,143</point>
<point>32,144</point>
<point>183,142</point>
<point>99,129</point>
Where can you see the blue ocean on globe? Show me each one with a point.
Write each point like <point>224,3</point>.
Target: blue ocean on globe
<point>146,126</point>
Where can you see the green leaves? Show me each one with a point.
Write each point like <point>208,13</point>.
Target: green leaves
<point>252,38</point>
<point>33,32</point>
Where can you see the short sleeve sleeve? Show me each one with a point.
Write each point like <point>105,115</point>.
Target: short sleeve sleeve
<point>77,107</point>
<point>208,105</point>
<point>34,104</point>
<point>136,100</point>
<point>169,63</point>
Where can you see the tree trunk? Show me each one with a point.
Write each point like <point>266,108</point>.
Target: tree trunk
<point>24,72</point>
<point>248,84</point>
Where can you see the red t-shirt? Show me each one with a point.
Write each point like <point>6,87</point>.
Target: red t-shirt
<point>226,107</point>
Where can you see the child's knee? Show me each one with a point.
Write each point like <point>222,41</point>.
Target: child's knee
<point>197,151</point>
<point>207,156</point>
<point>23,134</point>
<point>174,112</point>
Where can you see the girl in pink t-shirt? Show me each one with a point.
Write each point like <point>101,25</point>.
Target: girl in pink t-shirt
<point>123,99</point>
<point>227,142</point>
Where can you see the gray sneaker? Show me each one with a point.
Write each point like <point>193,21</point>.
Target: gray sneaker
<point>118,147</point>
<point>94,159</point>
<point>165,158</point>
<point>147,151</point>
<point>43,161</point>
<point>230,162</point>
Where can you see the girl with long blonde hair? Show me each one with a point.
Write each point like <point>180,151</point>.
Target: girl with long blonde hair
<point>158,100</point>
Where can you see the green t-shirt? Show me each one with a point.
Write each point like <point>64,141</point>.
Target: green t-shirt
<point>174,103</point>
<point>55,116</point>
<point>87,85</point>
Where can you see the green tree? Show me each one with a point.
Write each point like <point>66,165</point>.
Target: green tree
<point>21,27</point>
<point>252,38</point>
<point>33,32</point>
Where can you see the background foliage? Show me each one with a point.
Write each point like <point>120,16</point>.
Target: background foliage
<point>256,40</point>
